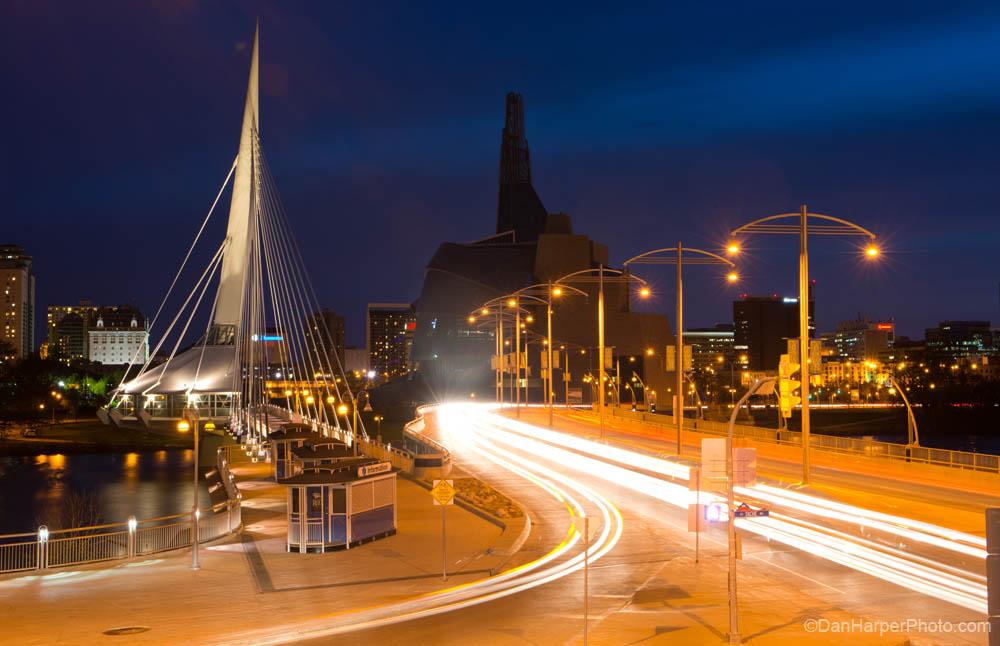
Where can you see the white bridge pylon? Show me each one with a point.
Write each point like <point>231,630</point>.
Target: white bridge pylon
<point>263,323</point>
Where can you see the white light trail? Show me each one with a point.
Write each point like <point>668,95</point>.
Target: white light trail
<point>561,561</point>
<point>939,580</point>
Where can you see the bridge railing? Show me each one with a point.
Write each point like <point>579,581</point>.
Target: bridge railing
<point>845,445</point>
<point>81,545</point>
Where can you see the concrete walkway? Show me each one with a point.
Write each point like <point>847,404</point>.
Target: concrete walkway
<point>249,580</point>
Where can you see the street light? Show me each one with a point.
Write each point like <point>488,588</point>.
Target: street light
<point>759,387</point>
<point>912,436</point>
<point>541,293</point>
<point>675,256</point>
<point>826,225</point>
<point>617,276</point>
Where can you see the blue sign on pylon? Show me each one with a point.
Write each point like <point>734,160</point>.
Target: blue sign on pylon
<point>744,511</point>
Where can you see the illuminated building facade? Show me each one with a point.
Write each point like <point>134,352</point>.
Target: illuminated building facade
<point>389,335</point>
<point>955,339</point>
<point>18,303</point>
<point>708,344</point>
<point>118,337</point>
<point>859,340</point>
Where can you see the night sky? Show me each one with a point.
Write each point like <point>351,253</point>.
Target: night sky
<point>648,124</point>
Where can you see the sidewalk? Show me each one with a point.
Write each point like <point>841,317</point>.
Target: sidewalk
<point>249,580</point>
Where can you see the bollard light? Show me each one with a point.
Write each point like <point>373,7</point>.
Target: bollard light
<point>43,533</point>
<point>132,524</point>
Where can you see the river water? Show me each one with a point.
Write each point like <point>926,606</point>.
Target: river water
<point>33,489</point>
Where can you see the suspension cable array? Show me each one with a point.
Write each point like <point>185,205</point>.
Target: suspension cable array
<point>278,303</point>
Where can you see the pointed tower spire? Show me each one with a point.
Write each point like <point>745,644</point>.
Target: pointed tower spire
<point>518,207</point>
<point>236,255</point>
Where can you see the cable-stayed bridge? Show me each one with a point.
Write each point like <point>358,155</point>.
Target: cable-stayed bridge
<point>261,315</point>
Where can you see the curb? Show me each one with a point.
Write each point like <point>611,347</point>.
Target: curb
<point>515,546</point>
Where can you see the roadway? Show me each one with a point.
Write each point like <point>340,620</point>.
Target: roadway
<point>919,499</point>
<point>808,559</point>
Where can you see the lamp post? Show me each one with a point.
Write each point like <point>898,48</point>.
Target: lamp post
<point>190,417</point>
<point>541,293</point>
<point>675,256</point>
<point>826,225</point>
<point>342,411</point>
<point>616,276</point>
<point>759,387</point>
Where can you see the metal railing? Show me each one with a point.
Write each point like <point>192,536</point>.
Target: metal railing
<point>845,445</point>
<point>80,545</point>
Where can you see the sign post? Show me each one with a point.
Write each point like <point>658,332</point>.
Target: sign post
<point>443,492</point>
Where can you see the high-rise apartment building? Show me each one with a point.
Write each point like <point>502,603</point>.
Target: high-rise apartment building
<point>18,303</point>
<point>54,315</point>
<point>389,337</point>
<point>762,324</point>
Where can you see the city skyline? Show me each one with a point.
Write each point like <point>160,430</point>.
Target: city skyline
<point>527,401</point>
<point>362,150</point>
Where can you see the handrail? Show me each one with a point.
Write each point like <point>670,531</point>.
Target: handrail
<point>985,462</point>
<point>44,549</point>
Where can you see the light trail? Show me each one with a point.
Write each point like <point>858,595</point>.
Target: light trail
<point>925,575</point>
<point>561,561</point>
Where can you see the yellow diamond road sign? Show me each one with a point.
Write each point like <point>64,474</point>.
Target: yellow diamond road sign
<point>443,492</point>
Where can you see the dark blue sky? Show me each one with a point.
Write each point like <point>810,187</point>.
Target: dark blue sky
<point>648,124</point>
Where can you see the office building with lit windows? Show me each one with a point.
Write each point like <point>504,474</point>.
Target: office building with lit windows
<point>858,340</point>
<point>710,344</point>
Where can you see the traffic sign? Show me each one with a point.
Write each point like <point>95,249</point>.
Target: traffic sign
<point>745,511</point>
<point>443,492</point>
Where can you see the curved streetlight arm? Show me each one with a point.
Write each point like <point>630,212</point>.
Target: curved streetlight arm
<point>544,289</point>
<point>708,258</point>
<point>592,275</point>
<point>842,227</point>
<point>913,438</point>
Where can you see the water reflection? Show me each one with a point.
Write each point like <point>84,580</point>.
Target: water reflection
<point>34,489</point>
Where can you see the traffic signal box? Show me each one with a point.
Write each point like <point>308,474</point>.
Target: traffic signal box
<point>789,382</point>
